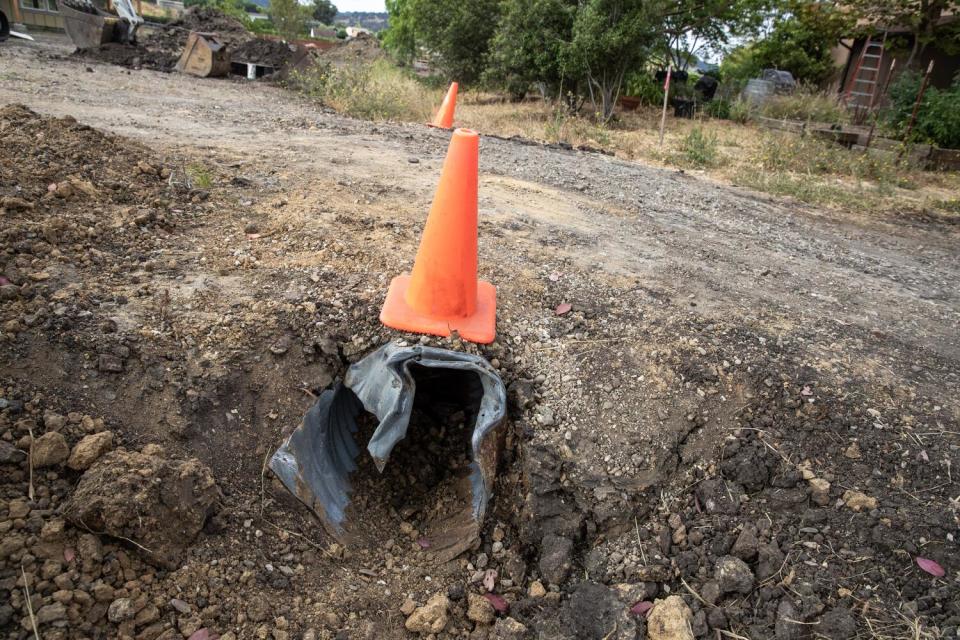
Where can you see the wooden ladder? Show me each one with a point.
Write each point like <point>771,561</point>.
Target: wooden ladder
<point>862,89</point>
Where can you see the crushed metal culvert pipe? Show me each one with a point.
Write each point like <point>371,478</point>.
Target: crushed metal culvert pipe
<point>316,461</point>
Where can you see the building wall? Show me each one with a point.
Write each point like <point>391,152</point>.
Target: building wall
<point>33,13</point>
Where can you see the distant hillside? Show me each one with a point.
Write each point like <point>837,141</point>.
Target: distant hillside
<point>366,19</point>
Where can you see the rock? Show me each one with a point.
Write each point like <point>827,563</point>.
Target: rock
<point>89,449</point>
<point>49,450</point>
<point>159,504</point>
<point>652,573</point>
<point>670,619</point>
<point>455,592</point>
<point>556,557</point>
<point>51,613</point>
<point>733,575</point>
<point>745,547</point>
<point>408,607</point>
<point>18,509</point>
<point>853,451</point>
<point>819,491</point>
<point>718,496</point>
<point>508,629</point>
<point>183,607</point>
<point>109,363</point>
<point>857,500</point>
<point>120,609</point>
<point>54,421</point>
<point>9,454</point>
<point>837,624</point>
<point>479,609</point>
<point>536,589</point>
<point>788,625</point>
<point>431,617</point>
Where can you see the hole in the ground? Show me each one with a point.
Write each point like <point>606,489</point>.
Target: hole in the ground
<point>426,482</point>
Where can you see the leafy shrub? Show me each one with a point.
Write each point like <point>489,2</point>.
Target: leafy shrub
<point>700,148</point>
<point>938,119</point>
<point>644,86</point>
<point>717,108</point>
<point>379,91</point>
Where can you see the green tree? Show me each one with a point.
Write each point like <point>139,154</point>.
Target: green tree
<point>288,17</point>
<point>610,37</point>
<point>529,45</point>
<point>693,26</point>
<point>456,34</point>
<point>400,37</point>
<point>800,43</point>
<point>324,11</point>
<point>921,17</point>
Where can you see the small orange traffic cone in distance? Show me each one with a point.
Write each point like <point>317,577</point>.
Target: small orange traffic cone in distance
<point>442,294</point>
<point>444,117</point>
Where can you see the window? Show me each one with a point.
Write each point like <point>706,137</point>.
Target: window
<point>39,5</point>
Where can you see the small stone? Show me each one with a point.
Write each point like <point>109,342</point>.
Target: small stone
<point>49,450</point>
<point>508,629</point>
<point>89,449</point>
<point>408,607</point>
<point>819,491</point>
<point>180,605</point>
<point>51,613</point>
<point>857,500</point>
<point>853,451</point>
<point>120,609</point>
<point>479,609</point>
<point>9,454</point>
<point>536,589</point>
<point>54,421</point>
<point>788,625</point>
<point>745,546</point>
<point>258,608</point>
<point>556,558</point>
<point>733,575</point>
<point>670,619</point>
<point>109,363</point>
<point>431,617</point>
<point>18,509</point>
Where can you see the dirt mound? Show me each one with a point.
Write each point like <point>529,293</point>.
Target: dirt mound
<point>158,504</point>
<point>269,53</point>
<point>160,48</point>
<point>362,49</point>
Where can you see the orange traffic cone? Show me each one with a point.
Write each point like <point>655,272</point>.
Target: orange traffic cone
<point>444,117</point>
<point>443,294</point>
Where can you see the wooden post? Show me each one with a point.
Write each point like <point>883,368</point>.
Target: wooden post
<point>666,94</point>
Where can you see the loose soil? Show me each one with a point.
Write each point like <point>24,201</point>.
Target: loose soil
<point>751,405</point>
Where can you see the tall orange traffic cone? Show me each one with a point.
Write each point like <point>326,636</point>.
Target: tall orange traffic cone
<point>443,294</point>
<point>444,117</point>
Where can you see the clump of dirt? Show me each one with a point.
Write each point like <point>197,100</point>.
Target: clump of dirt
<point>363,49</point>
<point>159,505</point>
<point>268,53</point>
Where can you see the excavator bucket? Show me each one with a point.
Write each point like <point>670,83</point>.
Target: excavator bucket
<point>204,56</point>
<point>90,27</point>
<point>318,460</point>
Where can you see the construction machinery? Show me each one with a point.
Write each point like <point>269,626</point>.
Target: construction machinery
<point>204,56</point>
<point>89,26</point>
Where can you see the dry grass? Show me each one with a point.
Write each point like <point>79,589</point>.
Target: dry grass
<point>806,168</point>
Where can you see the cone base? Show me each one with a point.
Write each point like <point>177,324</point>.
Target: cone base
<point>479,328</point>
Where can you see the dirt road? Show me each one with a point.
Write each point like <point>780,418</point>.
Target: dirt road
<point>716,336</point>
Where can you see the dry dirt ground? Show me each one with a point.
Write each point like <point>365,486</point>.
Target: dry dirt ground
<point>749,417</point>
